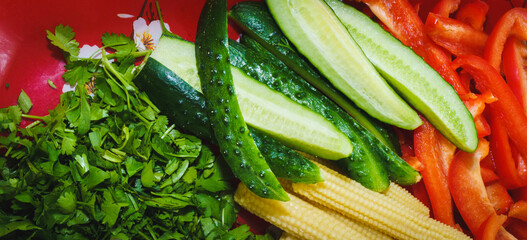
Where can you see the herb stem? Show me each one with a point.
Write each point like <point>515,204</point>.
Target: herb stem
<point>33,117</point>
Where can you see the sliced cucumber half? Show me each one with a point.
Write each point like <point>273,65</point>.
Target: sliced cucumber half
<point>263,108</point>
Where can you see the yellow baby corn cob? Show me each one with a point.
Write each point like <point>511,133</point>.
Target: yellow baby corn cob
<point>405,198</point>
<point>295,216</point>
<point>365,230</point>
<point>374,209</point>
<point>288,236</point>
<point>395,191</point>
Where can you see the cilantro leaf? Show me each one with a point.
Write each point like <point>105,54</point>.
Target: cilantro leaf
<point>78,72</point>
<point>63,38</point>
<point>122,44</point>
<point>110,209</point>
<point>24,102</point>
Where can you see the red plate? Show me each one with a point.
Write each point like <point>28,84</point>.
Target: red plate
<point>28,60</point>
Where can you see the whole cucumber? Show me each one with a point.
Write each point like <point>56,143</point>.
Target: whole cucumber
<point>185,108</point>
<point>236,144</point>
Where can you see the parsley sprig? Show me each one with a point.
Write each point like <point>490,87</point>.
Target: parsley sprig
<point>108,165</point>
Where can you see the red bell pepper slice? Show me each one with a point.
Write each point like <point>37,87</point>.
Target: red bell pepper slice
<point>501,153</point>
<point>476,106</point>
<point>513,54</point>
<point>404,23</point>
<point>455,36</point>
<point>517,227</point>
<point>427,150</point>
<point>446,7</point>
<point>507,105</point>
<point>513,22</point>
<point>473,13</point>
<point>492,227</point>
<point>519,210</point>
<point>468,190</point>
<point>488,175</point>
<point>519,194</point>
<point>499,197</point>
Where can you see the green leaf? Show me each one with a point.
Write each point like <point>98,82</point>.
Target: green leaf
<point>23,225</point>
<point>67,201</point>
<point>69,141</point>
<point>95,177</point>
<point>24,102</point>
<point>241,232</point>
<point>191,175</point>
<point>10,118</point>
<point>133,166</point>
<point>110,209</point>
<point>147,175</point>
<point>51,84</point>
<point>63,38</point>
<point>82,163</point>
<point>120,42</point>
<point>78,73</point>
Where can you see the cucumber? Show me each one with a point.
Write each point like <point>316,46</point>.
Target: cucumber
<point>371,161</point>
<point>236,144</point>
<point>318,34</point>
<point>184,106</point>
<point>264,109</point>
<point>412,77</point>
<point>255,20</point>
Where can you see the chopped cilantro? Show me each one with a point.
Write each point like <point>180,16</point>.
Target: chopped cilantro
<point>109,166</point>
<point>51,84</point>
<point>24,102</point>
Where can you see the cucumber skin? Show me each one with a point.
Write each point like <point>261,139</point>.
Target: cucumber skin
<point>236,144</point>
<point>371,162</point>
<point>445,110</point>
<point>256,20</point>
<point>363,165</point>
<point>185,108</point>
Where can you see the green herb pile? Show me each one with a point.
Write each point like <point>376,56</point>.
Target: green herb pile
<point>106,164</point>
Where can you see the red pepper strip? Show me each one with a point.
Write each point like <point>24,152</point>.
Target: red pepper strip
<point>455,36</point>
<point>499,197</point>
<point>514,70</point>
<point>488,175</point>
<point>404,23</point>
<point>474,14</point>
<point>519,210</point>
<point>446,7</point>
<point>468,189</point>
<point>507,106</point>
<point>427,151</point>
<point>476,106</point>
<point>501,153</point>
<point>518,228</point>
<point>512,22</point>
<point>519,194</point>
<point>492,227</point>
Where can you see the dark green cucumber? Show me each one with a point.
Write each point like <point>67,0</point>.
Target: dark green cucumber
<point>254,18</point>
<point>412,77</point>
<point>231,132</point>
<point>185,108</point>
<point>371,161</point>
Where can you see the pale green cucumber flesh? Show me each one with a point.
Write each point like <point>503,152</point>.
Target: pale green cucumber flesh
<point>263,108</point>
<point>318,34</point>
<point>417,82</point>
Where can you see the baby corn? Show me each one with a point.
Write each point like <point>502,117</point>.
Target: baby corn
<point>295,216</point>
<point>374,209</point>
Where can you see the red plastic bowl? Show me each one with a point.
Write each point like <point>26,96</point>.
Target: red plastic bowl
<point>28,60</point>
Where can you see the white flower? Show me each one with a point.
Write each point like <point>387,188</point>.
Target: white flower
<point>146,36</point>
